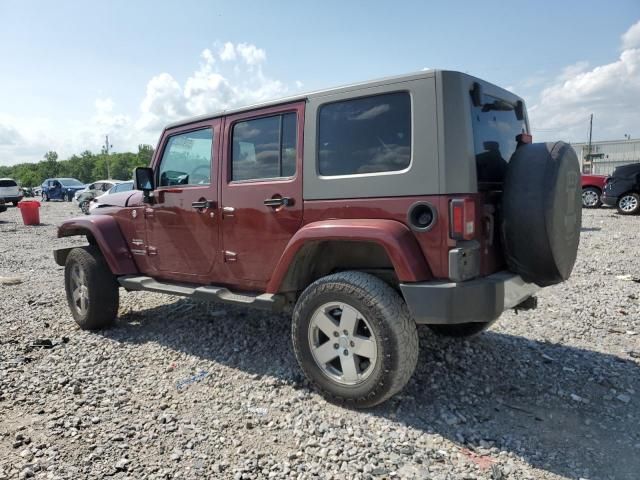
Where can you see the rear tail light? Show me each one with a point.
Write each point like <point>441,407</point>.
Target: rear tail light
<point>462,214</point>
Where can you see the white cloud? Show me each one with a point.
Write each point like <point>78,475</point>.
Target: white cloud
<point>228,52</point>
<point>210,88</point>
<point>631,38</point>
<point>251,54</point>
<point>610,91</point>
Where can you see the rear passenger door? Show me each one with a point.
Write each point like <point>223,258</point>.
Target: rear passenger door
<point>261,190</point>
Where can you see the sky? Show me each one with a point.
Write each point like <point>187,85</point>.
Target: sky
<point>73,71</point>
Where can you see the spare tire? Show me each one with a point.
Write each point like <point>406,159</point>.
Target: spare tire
<point>542,212</point>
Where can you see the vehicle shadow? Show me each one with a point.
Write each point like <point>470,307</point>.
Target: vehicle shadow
<point>565,410</point>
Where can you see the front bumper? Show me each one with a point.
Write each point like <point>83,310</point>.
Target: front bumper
<point>609,200</point>
<point>480,300</point>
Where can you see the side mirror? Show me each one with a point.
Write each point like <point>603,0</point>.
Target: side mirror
<point>143,180</point>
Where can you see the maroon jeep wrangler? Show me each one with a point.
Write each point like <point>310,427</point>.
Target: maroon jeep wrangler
<point>364,210</point>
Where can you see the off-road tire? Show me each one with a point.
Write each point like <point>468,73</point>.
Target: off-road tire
<point>460,330</point>
<point>392,327</point>
<point>634,211</point>
<point>591,191</point>
<point>101,286</point>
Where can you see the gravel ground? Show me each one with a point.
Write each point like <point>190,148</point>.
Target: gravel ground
<point>184,390</point>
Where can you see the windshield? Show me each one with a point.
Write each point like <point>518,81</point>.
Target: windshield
<point>495,127</point>
<point>71,182</point>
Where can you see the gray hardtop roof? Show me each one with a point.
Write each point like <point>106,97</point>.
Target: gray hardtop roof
<point>307,95</point>
<point>319,93</point>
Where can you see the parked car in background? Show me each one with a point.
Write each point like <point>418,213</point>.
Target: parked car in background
<point>60,188</point>
<point>622,189</point>
<point>91,191</point>
<point>115,197</point>
<point>10,191</point>
<point>396,212</point>
<point>592,187</point>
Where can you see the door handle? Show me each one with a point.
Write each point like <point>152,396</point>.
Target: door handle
<point>278,202</point>
<point>203,204</point>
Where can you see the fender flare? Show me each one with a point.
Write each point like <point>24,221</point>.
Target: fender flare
<point>105,231</point>
<point>396,238</point>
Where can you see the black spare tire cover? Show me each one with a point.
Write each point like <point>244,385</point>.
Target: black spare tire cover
<point>542,212</point>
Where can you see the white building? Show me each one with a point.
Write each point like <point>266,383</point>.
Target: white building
<point>607,155</point>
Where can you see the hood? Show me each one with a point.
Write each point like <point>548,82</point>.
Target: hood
<point>119,199</point>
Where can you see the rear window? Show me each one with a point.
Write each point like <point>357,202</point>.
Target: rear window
<point>71,182</point>
<point>8,183</point>
<point>365,135</point>
<point>495,128</point>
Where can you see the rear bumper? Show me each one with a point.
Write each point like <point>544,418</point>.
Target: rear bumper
<point>480,300</point>
<point>11,199</point>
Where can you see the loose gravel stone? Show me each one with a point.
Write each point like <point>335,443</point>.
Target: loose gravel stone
<point>178,389</point>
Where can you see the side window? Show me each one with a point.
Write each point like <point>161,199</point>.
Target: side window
<point>365,135</point>
<point>264,148</point>
<point>116,188</point>
<point>186,159</point>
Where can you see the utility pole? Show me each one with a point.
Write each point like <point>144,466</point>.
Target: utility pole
<point>107,145</point>
<point>589,147</point>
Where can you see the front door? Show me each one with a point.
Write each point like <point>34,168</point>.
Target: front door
<point>261,191</point>
<point>182,222</point>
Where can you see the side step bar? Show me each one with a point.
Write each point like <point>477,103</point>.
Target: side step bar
<point>209,293</point>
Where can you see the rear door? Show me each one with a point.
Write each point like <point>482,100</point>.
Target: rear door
<point>261,191</point>
<point>182,222</point>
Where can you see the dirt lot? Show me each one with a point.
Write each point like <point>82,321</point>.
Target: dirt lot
<point>182,390</point>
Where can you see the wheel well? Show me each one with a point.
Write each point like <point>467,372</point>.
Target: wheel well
<point>321,258</point>
<point>592,186</point>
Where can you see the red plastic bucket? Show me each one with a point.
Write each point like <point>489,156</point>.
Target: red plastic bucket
<point>30,211</point>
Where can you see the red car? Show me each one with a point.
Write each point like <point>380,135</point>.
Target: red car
<point>592,187</point>
<point>364,211</point>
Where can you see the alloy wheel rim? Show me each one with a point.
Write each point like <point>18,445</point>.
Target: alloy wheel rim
<point>79,290</point>
<point>628,203</point>
<point>342,343</point>
<point>589,198</point>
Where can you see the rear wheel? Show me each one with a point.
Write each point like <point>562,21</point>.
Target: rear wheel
<point>354,339</point>
<point>460,330</point>
<point>629,204</point>
<point>92,290</point>
<point>591,197</point>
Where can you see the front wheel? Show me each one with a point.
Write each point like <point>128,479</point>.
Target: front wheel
<point>629,204</point>
<point>84,206</point>
<point>591,197</point>
<point>354,339</point>
<point>92,290</point>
